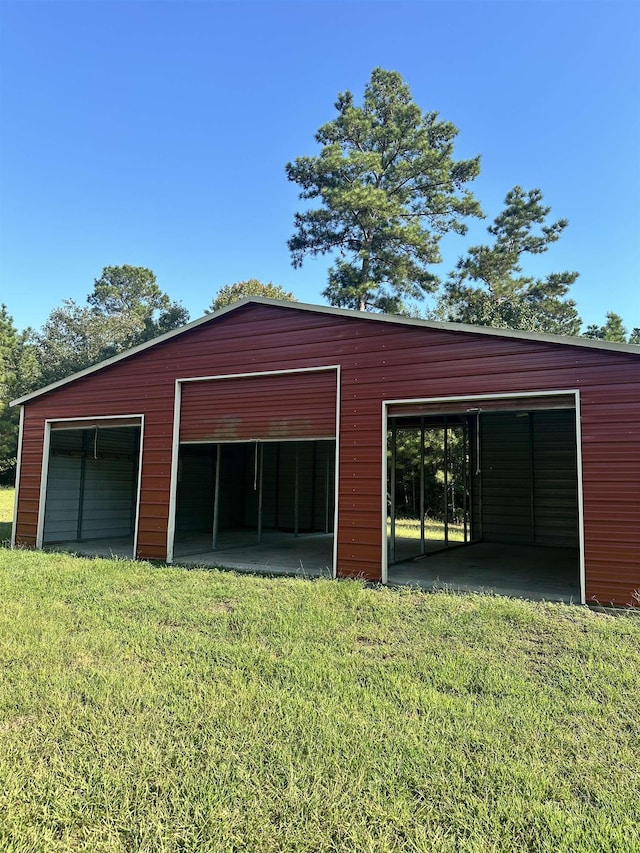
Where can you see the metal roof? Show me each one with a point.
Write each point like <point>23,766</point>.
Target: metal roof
<point>629,349</point>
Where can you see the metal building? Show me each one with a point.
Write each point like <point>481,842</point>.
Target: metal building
<point>283,435</point>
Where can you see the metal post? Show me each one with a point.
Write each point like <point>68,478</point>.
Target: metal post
<point>260,452</point>
<point>314,461</point>
<point>532,501</point>
<point>392,496</point>
<point>465,476</point>
<point>446,480</point>
<point>83,468</point>
<point>216,501</point>
<point>422,543</point>
<point>296,493</point>
<point>328,492</point>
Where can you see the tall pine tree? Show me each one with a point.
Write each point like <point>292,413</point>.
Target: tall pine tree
<point>388,187</point>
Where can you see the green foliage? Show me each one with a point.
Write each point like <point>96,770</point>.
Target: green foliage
<point>613,330</point>
<point>156,709</point>
<point>18,375</point>
<point>388,188</point>
<point>125,308</point>
<point>488,288</point>
<point>231,293</point>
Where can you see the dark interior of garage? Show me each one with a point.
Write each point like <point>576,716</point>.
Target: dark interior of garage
<point>256,504</point>
<point>484,500</point>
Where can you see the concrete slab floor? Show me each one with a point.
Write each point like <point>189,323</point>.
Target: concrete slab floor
<point>121,547</point>
<point>306,555</point>
<point>519,571</point>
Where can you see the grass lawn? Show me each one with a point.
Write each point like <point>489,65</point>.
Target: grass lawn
<point>149,708</point>
<point>409,528</point>
<point>6,513</point>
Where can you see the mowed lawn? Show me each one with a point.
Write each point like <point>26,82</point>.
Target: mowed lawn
<point>148,708</point>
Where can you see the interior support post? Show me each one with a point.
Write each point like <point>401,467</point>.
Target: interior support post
<point>260,452</point>
<point>465,478</point>
<point>532,492</point>
<point>327,492</point>
<point>296,493</point>
<point>392,496</point>
<point>446,479</point>
<point>216,500</point>
<point>422,485</point>
<point>83,471</point>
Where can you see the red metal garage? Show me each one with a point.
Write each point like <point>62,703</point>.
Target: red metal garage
<point>328,421</point>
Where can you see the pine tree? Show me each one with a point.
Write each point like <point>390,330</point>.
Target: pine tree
<point>388,188</point>
<point>494,274</point>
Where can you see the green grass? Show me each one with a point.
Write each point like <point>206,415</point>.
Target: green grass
<point>149,708</point>
<point>6,513</point>
<point>409,528</point>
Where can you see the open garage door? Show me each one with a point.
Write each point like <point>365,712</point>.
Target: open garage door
<point>91,492</point>
<point>256,474</point>
<point>483,493</point>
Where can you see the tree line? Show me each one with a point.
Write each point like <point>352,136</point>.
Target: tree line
<point>383,190</point>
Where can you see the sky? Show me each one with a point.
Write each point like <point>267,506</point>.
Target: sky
<point>156,134</point>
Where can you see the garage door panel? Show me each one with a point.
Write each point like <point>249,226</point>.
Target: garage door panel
<point>270,408</point>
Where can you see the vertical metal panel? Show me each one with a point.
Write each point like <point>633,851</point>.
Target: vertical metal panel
<point>555,478</point>
<point>506,478</point>
<point>194,505</point>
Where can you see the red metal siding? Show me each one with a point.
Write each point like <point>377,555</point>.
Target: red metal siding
<point>276,407</point>
<point>379,361</point>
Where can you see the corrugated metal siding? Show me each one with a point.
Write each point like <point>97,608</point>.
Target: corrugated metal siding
<point>296,405</point>
<point>194,499</point>
<point>506,478</point>
<point>555,478</point>
<point>529,478</point>
<point>379,361</point>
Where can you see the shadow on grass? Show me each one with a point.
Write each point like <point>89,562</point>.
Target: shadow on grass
<point>5,533</point>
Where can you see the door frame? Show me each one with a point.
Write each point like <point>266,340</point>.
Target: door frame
<point>475,398</point>
<point>175,449</point>
<point>44,474</point>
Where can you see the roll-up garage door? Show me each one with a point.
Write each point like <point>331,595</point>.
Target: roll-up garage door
<point>486,404</point>
<point>273,407</point>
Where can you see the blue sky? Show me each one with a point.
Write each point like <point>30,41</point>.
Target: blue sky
<point>156,134</point>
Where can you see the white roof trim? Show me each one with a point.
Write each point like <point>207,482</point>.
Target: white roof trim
<point>589,343</point>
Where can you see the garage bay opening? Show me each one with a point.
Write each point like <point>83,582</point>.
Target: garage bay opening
<point>484,496</point>
<point>92,487</point>
<point>266,505</point>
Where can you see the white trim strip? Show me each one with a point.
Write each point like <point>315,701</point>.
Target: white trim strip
<point>336,475</point>
<point>583,571</point>
<point>44,476</point>
<point>506,396</point>
<point>385,476</point>
<point>258,440</point>
<point>14,525</point>
<point>260,374</point>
